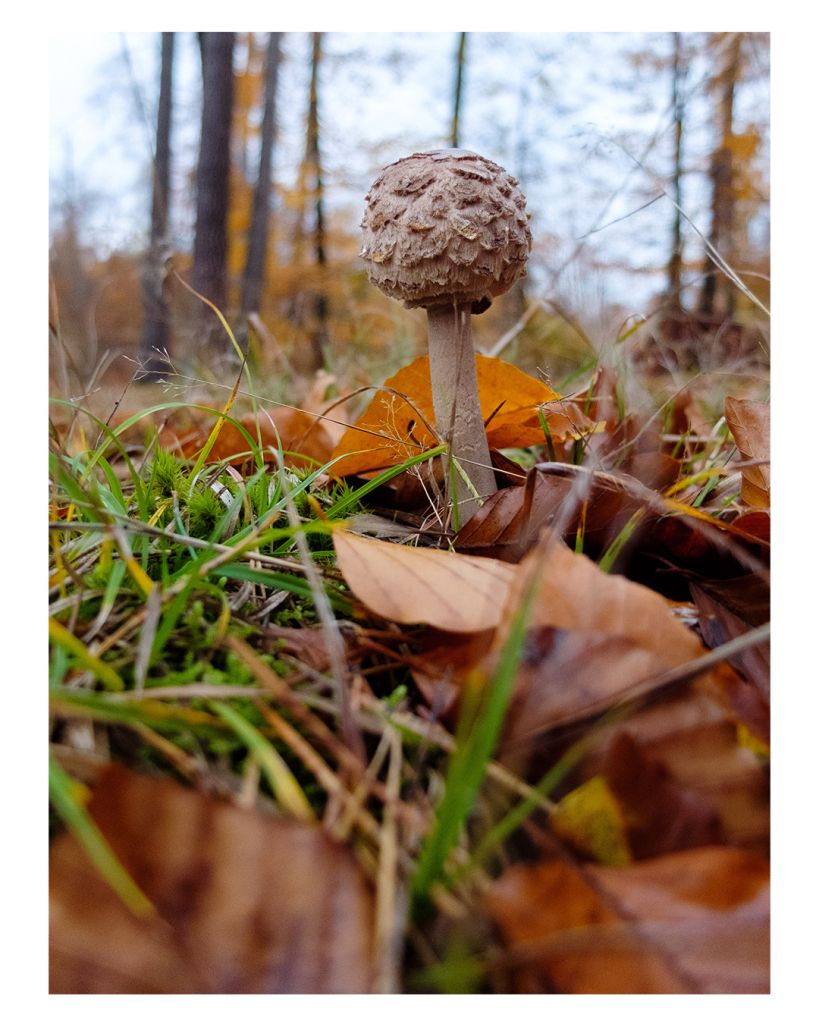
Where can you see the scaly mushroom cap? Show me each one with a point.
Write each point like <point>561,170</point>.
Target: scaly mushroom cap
<point>445,226</point>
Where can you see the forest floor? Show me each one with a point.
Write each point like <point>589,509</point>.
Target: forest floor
<point>308,737</point>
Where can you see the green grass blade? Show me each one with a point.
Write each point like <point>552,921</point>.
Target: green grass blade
<point>382,478</point>
<point>116,489</point>
<point>58,634</point>
<point>282,781</point>
<point>467,765</point>
<point>115,708</point>
<point>610,555</point>
<point>544,424</point>
<point>281,581</point>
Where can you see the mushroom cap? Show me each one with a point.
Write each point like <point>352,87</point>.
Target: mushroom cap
<point>443,226</point>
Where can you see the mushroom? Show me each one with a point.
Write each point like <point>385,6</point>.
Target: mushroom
<point>448,230</point>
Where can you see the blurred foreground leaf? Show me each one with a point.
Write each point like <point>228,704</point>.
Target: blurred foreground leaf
<point>246,903</point>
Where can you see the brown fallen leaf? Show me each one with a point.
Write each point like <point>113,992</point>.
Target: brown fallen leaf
<point>307,644</point>
<point>693,921</point>
<point>246,903</point>
<point>442,668</point>
<point>756,524</point>
<point>509,522</point>
<point>600,506</point>
<point>591,637</point>
<point>392,429</point>
<point>728,609</point>
<point>750,423</point>
<point>694,736</point>
<point>600,400</point>
<point>655,470</point>
<point>574,594</point>
<point>661,814</point>
<point>744,702</point>
<point>411,585</point>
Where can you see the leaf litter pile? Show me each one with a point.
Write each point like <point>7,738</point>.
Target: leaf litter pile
<point>306,737</point>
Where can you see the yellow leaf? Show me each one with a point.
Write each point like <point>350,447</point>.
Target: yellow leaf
<point>591,819</point>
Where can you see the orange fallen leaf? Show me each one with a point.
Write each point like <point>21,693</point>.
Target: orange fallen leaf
<point>304,438</point>
<point>392,429</point>
<point>246,903</point>
<point>301,434</point>
<point>693,921</point>
<point>454,592</point>
<point>750,423</point>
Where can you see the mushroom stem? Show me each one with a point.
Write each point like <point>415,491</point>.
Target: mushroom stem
<point>458,416</point>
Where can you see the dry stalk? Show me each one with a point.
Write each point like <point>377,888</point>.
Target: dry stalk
<point>389,924</point>
<point>332,633</point>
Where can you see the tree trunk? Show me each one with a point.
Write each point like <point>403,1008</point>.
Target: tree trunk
<point>675,262</point>
<point>253,278</point>
<point>718,295</point>
<point>156,326</point>
<point>209,274</point>
<point>319,338</point>
<point>460,61</point>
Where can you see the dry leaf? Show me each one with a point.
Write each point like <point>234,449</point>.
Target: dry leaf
<point>694,921</point>
<point>590,818</point>
<point>661,814</point>
<point>574,594</point>
<point>560,936</point>
<point>301,433</point>
<point>509,522</point>
<point>307,644</point>
<point>392,430</point>
<point>750,423</point>
<point>454,592</point>
<point>728,609</point>
<point>591,637</point>
<point>443,666</point>
<point>247,903</point>
<point>600,401</point>
<point>601,505</point>
<point>695,737</point>
<point>756,524</point>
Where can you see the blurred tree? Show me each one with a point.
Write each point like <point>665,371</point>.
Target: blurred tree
<point>718,294</point>
<point>253,277</point>
<point>209,273</point>
<point>320,338</point>
<point>247,98</point>
<point>678,74</point>
<point>156,323</point>
<point>311,302</point>
<point>74,292</point>
<point>460,62</point>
